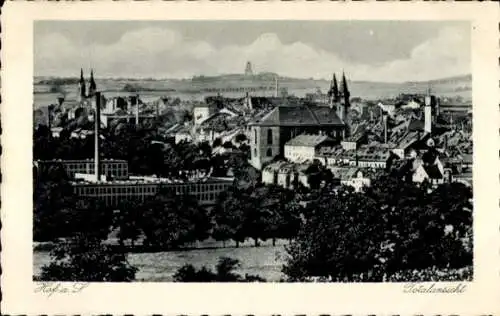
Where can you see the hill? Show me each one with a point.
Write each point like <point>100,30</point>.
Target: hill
<point>236,85</point>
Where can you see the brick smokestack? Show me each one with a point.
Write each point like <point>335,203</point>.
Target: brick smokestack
<point>97,129</point>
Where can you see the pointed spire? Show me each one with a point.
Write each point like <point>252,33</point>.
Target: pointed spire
<point>345,90</point>
<point>92,85</point>
<point>82,93</point>
<point>92,81</point>
<point>335,89</point>
<point>333,92</point>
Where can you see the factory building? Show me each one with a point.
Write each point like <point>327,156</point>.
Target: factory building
<point>111,168</point>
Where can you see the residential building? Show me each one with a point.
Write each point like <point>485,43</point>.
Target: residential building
<point>354,177</point>
<point>201,112</point>
<point>285,174</point>
<point>303,147</point>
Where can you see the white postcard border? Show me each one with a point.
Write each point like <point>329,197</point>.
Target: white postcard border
<point>481,295</point>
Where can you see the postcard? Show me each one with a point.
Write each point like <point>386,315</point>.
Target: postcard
<point>250,158</point>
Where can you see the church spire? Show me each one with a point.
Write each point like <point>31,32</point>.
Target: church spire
<point>92,85</point>
<point>345,90</point>
<point>335,89</point>
<point>81,86</point>
<point>333,92</point>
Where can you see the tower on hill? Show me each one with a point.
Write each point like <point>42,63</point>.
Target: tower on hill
<point>248,69</point>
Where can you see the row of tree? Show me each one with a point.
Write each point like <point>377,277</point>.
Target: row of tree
<point>393,226</point>
<point>335,232</point>
<point>168,220</point>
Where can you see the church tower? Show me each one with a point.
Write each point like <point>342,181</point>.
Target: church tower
<point>345,105</point>
<point>333,93</point>
<point>82,91</point>
<point>92,85</point>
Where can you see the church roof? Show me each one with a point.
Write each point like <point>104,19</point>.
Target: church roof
<point>300,116</point>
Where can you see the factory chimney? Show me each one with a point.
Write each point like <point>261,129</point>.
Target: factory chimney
<point>137,111</point>
<point>276,87</point>
<point>97,128</point>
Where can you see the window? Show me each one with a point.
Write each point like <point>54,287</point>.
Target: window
<point>255,152</point>
<point>255,136</point>
<point>269,136</point>
<point>269,152</point>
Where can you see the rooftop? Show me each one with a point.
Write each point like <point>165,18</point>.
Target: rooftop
<point>80,160</point>
<point>307,140</point>
<point>300,116</point>
<point>139,180</point>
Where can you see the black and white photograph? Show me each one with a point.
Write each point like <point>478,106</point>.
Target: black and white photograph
<point>252,151</point>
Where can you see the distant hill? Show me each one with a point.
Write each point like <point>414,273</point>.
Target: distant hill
<point>262,84</point>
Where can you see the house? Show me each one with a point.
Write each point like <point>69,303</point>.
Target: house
<point>303,147</point>
<point>285,174</point>
<point>201,112</point>
<point>427,168</point>
<point>354,177</point>
<point>56,131</point>
<point>183,135</point>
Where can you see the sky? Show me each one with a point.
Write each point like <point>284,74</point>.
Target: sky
<point>389,51</point>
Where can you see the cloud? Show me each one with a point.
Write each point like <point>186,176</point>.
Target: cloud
<point>160,52</point>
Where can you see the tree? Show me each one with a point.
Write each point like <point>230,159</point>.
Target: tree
<point>278,221</point>
<point>240,138</point>
<point>224,272</point>
<point>318,174</point>
<point>336,240</point>
<point>169,221</point>
<point>86,259</point>
<point>394,226</point>
<point>228,215</point>
<point>127,220</point>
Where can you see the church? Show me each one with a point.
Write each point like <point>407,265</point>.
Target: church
<point>270,133</point>
<point>83,94</point>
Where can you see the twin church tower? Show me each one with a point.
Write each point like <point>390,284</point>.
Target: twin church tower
<point>83,94</point>
<point>339,99</point>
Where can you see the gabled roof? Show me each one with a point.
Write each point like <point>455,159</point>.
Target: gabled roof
<point>307,140</point>
<point>300,116</point>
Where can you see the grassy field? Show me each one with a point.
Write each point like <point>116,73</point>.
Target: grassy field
<point>265,261</point>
